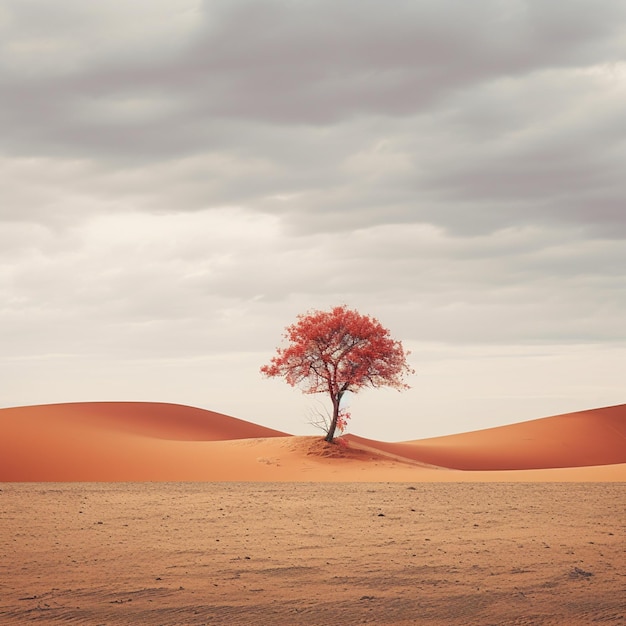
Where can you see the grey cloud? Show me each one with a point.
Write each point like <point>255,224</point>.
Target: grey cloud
<point>333,116</point>
<point>515,283</point>
<point>320,62</point>
<point>299,63</point>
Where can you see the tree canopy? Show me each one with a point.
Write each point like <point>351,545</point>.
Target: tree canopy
<point>337,351</point>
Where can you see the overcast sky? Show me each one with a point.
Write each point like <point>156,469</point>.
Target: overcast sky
<point>179,179</point>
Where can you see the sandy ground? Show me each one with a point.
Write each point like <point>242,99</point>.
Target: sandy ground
<point>313,553</point>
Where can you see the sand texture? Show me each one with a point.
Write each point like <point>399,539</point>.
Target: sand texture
<point>236,523</point>
<point>135,441</point>
<point>313,553</point>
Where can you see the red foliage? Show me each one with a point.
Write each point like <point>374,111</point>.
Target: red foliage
<point>342,420</point>
<point>337,351</point>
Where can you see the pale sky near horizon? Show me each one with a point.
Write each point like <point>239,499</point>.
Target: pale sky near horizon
<point>179,179</point>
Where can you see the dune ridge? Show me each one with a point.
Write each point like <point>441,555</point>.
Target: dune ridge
<point>152,419</point>
<point>145,441</point>
<point>580,439</point>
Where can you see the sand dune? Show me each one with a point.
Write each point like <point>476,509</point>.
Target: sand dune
<point>134,441</point>
<point>584,438</point>
<point>106,441</point>
<point>151,419</point>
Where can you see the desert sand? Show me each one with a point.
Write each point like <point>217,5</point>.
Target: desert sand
<point>161,514</point>
<point>138,441</point>
<point>313,553</point>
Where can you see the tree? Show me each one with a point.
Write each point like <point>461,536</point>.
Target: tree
<point>337,351</point>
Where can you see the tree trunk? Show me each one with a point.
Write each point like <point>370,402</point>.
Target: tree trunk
<point>330,435</point>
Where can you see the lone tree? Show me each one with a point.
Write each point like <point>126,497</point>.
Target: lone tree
<point>337,351</point>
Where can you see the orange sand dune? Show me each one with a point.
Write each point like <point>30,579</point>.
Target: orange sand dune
<point>584,438</point>
<point>133,441</point>
<point>151,419</point>
<point>105,441</point>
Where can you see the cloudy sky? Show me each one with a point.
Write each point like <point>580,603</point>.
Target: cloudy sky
<point>179,179</point>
